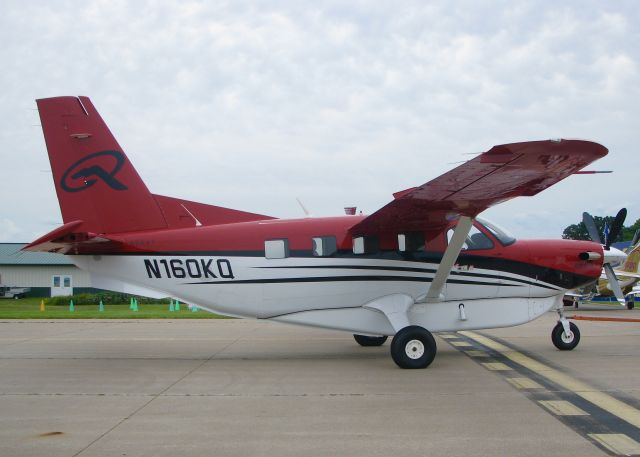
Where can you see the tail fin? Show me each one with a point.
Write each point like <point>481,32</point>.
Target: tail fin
<point>632,264</point>
<point>94,180</point>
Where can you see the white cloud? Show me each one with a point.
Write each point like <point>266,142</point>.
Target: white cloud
<point>8,230</point>
<point>250,104</point>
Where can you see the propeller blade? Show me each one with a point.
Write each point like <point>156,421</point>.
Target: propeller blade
<point>613,283</point>
<point>588,221</point>
<point>636,237</point>
<point>616,226</point>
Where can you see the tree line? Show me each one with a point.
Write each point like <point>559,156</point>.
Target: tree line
<point>579,231</point>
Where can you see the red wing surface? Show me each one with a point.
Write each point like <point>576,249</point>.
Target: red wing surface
<point>504,172</point>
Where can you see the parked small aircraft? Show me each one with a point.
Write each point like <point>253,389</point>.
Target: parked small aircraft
<point>617,281</point>
<point>627,276</point>
<point>423,263</point>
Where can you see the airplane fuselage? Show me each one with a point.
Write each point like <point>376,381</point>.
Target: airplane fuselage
<point>497,285</point>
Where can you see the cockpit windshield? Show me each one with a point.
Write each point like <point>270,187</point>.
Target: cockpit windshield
<point>501,234</point>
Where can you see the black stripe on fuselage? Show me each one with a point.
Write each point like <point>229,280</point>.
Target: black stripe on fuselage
<point>351,279</point>
<point>540,274</point>
<point>415,270</point>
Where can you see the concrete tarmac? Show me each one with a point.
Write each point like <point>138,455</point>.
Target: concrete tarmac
<point>244,387</point>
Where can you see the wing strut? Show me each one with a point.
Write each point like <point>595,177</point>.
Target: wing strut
<point>434,294</point>
<point>614,285</point>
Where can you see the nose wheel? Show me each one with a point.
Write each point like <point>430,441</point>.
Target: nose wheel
<point>563,340</point>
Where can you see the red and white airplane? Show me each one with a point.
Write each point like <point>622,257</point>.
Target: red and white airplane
<point>423,263</point>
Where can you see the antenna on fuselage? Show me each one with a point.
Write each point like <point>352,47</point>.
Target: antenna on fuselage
<point>306,211</point>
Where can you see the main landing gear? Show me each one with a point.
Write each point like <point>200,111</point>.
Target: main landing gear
<point>631,301</point>
<point>565,335</point>
<point>364,340</point>
<point>411,347</point>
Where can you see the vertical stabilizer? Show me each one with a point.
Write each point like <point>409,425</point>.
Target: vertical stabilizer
<point>94,180</point>
<point>632,263</point>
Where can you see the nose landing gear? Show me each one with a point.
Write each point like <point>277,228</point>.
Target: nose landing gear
<point>565,335</point>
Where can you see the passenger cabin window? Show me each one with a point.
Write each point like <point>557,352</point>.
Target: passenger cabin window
<point>276,249</point>
<point>324,246</point>
<point>365,245</point>
<point>411,242</point>
<point>475,240</point>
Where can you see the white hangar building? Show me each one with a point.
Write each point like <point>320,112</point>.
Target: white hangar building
<point>47,274</point>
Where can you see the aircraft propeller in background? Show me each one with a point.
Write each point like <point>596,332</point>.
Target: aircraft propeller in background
<point>611,254</point>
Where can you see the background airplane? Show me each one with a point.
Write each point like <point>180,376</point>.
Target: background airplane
<point>420,264</point>
<point>615,281</point>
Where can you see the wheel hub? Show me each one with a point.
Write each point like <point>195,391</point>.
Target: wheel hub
<point>566,338</point>
<point>414,349</point>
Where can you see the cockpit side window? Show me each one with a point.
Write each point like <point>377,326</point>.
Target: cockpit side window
<point>476,240</point>
<point>504,237</point>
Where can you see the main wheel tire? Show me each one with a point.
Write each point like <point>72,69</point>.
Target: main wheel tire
<point>631,303</point>
<point>364,340</point>
<point>561,340</point>
<point>413,347</point>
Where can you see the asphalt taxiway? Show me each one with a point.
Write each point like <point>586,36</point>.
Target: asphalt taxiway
<point>245,387</point>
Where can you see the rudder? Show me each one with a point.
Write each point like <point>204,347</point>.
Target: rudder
<point>632,263</point>
<point>95,181</point>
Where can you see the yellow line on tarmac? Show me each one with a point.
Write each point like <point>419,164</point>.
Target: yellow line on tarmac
<point>618,443</point>
<point>562,408</point>
<point>600,399</point>
<point>496,366</point>
<point>474,353</point>
<point>460,344</point>
<point>524,383</point>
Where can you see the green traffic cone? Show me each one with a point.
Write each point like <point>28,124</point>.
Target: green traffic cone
<point>101,307</point>
<point>72,307</point>
<point>177,305</point>
<point>135,305</point>
<point>171,308</point>
<point>131,303</point>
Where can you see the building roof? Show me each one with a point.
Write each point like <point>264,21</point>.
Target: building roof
<point>10,254</point>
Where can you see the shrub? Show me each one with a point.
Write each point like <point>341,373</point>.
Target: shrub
<point>108,298</point>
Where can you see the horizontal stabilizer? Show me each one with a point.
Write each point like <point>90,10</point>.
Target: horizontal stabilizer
<point>67,240</point>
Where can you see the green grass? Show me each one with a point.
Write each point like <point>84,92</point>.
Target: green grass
<point>29,308</point>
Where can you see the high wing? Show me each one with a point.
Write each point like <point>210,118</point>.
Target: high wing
<point>504,172</point>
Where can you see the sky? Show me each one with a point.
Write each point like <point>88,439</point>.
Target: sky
<point>251,105</point>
